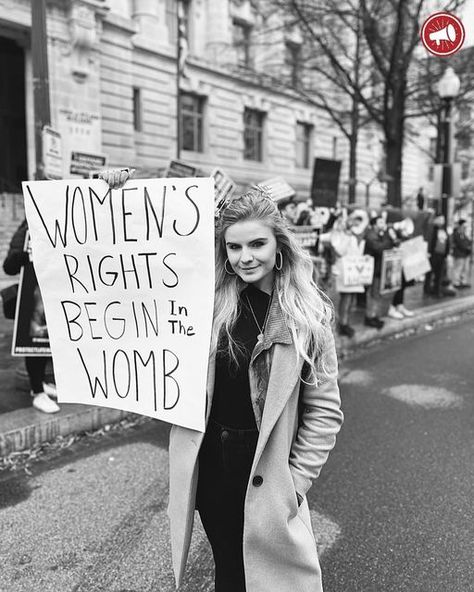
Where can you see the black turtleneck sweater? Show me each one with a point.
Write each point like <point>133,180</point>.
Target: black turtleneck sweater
<point>231,403</point>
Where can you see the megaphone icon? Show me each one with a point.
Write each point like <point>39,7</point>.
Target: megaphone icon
<point>446,34</point>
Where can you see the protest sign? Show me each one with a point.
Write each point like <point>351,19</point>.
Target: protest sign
<point>391,274</point>
<point>30,333</point>
<point>278,188</point>
<point>325,185</point>
<point>305,235</point>
<point>357,270</point>
<point>127,278</point>
<point>178,168</point>
<point>224,188</point>
<point>84,163</point>
<point>415,260</point>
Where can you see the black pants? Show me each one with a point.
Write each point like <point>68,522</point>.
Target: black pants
<point>36,367</point>
<point>225,461</point>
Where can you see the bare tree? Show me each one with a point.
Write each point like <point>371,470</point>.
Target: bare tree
<point>361,64</point>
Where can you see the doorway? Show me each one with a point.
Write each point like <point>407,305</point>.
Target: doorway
<point>13,151</point>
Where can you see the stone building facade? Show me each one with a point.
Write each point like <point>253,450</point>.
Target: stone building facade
<point>113,91</point>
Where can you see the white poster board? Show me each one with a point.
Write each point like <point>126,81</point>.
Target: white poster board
<point>127,278</point>
<point>357,270</point>
<point>415,259</point>
<point>391,273</point>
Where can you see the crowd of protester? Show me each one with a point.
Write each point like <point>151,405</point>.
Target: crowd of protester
<point>358,231</point>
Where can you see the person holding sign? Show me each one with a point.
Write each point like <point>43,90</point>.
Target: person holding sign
<point>273,410</point>
<point>377,240</point>
<point>43,392</point>
<point>346,239</point>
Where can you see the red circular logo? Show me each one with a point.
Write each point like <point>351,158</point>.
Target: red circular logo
<point>442,34</point>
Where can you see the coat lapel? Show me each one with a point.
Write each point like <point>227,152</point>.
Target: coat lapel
<point>211,374</point>
<point>284,375</point>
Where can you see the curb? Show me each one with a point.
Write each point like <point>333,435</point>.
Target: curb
<point>425,319</point>
<point>24,429</point>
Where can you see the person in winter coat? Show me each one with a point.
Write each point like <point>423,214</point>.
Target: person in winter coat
<point>462,248</point>
<point>273,409</point>
<point>346,239</point>
<point>377,240</point>
<point>43,392</point>
<point>438,247</point>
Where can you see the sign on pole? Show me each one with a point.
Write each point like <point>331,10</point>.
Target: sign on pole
<point>127,278</point>
<point>52,153</point>
<point>84,163</point>
<point>325,184</point>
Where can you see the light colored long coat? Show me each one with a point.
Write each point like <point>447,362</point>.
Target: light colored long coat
<point>297,430</point>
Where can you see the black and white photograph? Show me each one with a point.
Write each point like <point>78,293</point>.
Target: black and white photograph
<point>237,299</point>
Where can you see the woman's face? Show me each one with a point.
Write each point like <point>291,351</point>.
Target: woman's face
<point>251,249</point>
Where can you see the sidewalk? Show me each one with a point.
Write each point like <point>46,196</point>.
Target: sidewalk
<point>22,426</point>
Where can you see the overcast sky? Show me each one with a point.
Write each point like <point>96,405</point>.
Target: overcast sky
<point>467,18</point>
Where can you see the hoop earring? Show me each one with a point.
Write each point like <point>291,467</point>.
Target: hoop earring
<point>227,271</point>
<point>279,268</point>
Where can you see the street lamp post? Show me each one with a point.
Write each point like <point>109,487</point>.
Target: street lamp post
<point>448,89</point>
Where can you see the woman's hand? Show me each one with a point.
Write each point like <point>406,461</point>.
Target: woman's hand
<point>116,178</point>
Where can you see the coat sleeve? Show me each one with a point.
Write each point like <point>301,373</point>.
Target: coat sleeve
<point>321,419</point>
<point>16,256</point>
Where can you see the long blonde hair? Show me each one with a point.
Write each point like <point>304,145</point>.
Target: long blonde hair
<point>307,311</point>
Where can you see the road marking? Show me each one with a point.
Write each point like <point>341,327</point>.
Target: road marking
<point>429,397</point>
<point>357,377</point>
<point>201,566</point>
<point>326,532</point>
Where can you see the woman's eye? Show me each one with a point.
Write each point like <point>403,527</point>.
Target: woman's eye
<point>258,244</point>
<point>232,247</point>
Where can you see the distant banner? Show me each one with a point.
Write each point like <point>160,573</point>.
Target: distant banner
<point>278,188</point>
<point>391,274</point>
<point>127,278</point>
<point>357,270</point>
<point>415,259</point>
<point>30,333</point>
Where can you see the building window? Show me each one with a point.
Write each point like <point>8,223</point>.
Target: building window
<point>303,144</point>
<point>465,169</point>
<point>253,134</point>
<point>293,62</point>
<point>172,19</point>
<point>242,33</point>
<point>192,110</point>
<point>464,140</point>
<point>137,110</point>
<point>464,114</point>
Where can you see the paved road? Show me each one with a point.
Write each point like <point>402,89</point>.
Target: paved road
<point>392,509</point>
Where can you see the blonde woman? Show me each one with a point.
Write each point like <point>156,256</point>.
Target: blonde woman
<point>273,411</point>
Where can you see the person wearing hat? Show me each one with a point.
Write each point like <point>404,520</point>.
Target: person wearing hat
<point>287,209</point>
<point>462,248</point>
